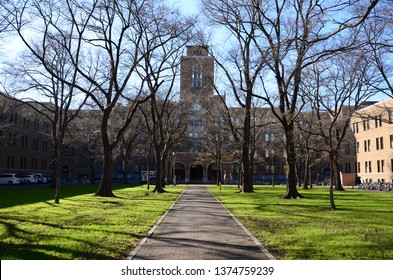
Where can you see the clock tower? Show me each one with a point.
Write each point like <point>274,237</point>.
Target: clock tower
<point>197,75</point>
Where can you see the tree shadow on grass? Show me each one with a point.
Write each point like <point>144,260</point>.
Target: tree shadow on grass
<point>13,197</point>
<point>23,244</point>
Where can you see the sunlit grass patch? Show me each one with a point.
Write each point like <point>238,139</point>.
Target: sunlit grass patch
<point>82,226</point>
<point>361,228</point>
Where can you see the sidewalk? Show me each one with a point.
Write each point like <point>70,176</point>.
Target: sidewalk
<point>199,227</point>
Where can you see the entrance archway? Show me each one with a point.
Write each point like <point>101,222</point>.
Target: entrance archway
<point>212,172</point>
<point>179,169</point>
<point>196,172</point>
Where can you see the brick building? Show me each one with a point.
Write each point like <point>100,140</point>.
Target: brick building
<point>25,141</point>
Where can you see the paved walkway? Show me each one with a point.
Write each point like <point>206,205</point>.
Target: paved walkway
<point>199,227</point>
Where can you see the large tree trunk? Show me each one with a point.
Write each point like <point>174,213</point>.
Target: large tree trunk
<point>247,168</point>
<point>292,191</point>
<point>105,188</point>
<point>338,186</point>
<point>160,176</point>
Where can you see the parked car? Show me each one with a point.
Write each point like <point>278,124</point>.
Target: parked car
<point>27,179</point>
<point>41,178</point>
<point>32,178</point>
<point>9,179</point>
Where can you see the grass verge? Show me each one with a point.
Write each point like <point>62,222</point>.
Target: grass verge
<point>306,229</point>
<point>82,226</point>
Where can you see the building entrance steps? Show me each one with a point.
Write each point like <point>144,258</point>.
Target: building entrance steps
<point>199,227</point>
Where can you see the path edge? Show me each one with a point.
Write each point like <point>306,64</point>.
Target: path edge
<point>151,231</point>
<point>252,236</point>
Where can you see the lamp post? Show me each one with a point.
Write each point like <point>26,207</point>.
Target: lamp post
<point>174,169</point>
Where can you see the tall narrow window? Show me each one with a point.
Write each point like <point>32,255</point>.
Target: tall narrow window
<point>391,141</point>
<point>196,76</point>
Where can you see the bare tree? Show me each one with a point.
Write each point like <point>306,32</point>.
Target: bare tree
<point>165,39</point>
<point>308,146</point>
<point>113,36</point>
<point>84,135</point>
<point>39,76</point>
<point>241,68</point>
<point>339,86</point>
<point>379,36</point>
<point>127,146</point>
<point>296,34</point>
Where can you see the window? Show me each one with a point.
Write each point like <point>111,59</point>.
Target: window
<point>367,166</point>
<point>35,144</point>
<point>378,121</point>
<point>347,149</point>
<point>34,162</point>
<point>348,167</point>
<point>196,76</point>
<point>10,162</point>
<point>366,124</point>
<point>356,127</point>
<point>25,142</point>
<point>12,140</point>
<point>367,144</point>
<point>269,137</point>
<point>23,163</point>
<point>357,147</point>
<point>26,122</point>
<point>391,141</point>
<point>357,167</point>
<point>380,166</point>
<point>379,143</point>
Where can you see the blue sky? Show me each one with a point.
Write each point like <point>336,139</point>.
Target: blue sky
<point>186,6</point>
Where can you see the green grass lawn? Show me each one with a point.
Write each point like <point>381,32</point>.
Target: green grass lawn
<point>82,226</point>
<point>361,228</point>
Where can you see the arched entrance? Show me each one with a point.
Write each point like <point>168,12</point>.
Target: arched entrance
<point>179,170</point>
<point>65,173</point>
<point>212,172</point>
<point>196,172</point>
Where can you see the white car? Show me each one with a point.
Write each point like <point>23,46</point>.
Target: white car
<point>9,179</point>
<point>27,179</point>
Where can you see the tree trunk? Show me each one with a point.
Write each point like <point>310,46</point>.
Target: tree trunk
<point>306,174</point>
<point>92,170</point>
<point>331,196</point>
<point>160,176</point>
<point>124,171</point>
<point>247,172</point>
<point>338,186</point>
<point>56,170</point>
<point>105,188</point>
<point>291,160</point>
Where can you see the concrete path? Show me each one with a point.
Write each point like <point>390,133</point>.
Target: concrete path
<point>199,227</point>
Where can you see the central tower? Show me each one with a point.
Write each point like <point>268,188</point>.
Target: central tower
<point>197,75</point>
